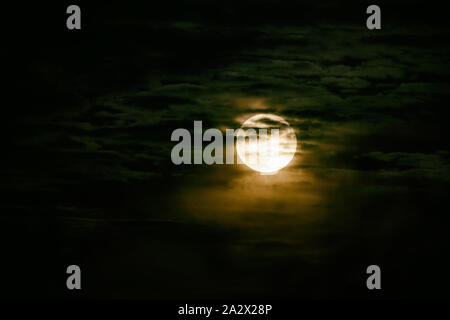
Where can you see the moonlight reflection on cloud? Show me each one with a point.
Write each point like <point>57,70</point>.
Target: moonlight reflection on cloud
<point>266,143</point>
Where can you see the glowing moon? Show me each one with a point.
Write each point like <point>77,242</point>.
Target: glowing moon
<point>266,143</point>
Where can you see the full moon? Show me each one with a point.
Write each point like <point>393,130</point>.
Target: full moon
<point>266,143</point>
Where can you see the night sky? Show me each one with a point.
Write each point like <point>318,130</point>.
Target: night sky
<point>87,177</point>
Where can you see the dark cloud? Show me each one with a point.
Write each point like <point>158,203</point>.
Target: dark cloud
<point>414,165</point>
